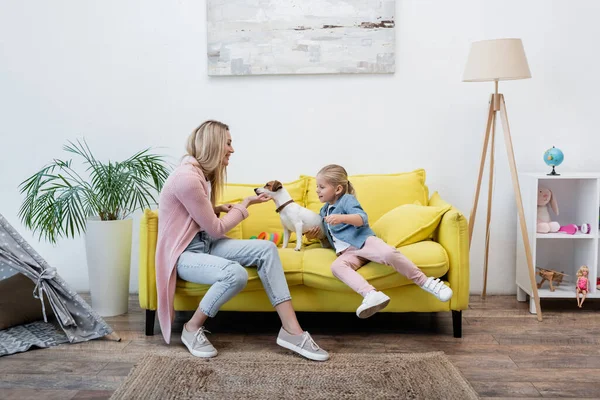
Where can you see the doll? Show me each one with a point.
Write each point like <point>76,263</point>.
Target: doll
<point>583,284</point>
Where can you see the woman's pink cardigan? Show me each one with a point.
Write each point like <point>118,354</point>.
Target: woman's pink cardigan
<point>184,209</point>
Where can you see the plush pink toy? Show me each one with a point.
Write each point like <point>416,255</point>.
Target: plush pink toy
<point>544,222</point>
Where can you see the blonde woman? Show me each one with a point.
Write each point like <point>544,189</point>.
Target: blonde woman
<point>192,245</point>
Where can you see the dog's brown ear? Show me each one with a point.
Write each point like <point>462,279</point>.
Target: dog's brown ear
<point>276,186</point>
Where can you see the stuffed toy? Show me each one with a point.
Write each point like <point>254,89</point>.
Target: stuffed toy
<point>544,221</point>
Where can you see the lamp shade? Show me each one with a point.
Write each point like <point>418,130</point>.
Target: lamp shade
<point>496,60</point>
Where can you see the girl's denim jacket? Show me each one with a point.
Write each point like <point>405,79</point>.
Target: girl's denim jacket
<point>354,235</point>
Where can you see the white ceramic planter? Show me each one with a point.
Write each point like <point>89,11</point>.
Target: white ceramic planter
<point>108,251</point>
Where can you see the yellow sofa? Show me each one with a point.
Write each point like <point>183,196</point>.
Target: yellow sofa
<point>426,229</point>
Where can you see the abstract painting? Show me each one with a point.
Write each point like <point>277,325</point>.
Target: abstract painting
<point>263,37</point>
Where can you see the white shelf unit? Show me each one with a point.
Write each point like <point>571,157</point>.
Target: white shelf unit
<point>578,198</point>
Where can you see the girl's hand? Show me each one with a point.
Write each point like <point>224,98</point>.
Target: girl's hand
<point>334,219</point>
<point>314,233</point>
<point>223,208</point>
<point>261,198</point>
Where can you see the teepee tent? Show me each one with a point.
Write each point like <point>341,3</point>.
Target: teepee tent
<point>76,318</point>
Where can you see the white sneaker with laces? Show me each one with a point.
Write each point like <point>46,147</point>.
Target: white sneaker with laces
<point>374,301</point>
<point>197,343</point>
<point>302,344</point>
<point>437,288</point>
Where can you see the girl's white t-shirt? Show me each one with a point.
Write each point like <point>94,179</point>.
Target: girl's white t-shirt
<point>339,245</point>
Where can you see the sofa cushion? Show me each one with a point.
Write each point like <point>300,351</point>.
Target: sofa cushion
<point>263,217</point>
<point>379,194</point>
<point>292,267</point>
<point>429,256</point>
<point>408,223</point>
<point>437,201</point>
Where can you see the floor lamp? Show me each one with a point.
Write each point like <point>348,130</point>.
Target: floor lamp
<point>499,60</point>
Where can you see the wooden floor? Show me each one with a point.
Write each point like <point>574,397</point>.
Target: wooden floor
<point>504,353</point>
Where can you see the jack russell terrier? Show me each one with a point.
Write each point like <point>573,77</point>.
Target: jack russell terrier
<point>294,217</point>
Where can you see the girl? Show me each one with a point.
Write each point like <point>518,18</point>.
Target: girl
<point>347,231</point>
<point>192,246</point>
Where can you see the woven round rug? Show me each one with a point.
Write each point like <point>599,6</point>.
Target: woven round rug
<point>264,375</point>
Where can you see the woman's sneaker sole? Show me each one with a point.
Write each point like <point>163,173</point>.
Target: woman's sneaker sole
<point>302,352</point>
<point>367,312</point>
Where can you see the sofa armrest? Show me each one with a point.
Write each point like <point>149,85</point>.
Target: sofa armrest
<point>147,268</point>
<point>452,234</point>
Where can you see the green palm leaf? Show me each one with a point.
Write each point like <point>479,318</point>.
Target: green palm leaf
<point>58,200</point>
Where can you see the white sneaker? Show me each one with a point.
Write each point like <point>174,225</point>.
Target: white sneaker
<point>197,343</point>
<point>374,301</point>
<point>437,288</point>
<point>302,344</point>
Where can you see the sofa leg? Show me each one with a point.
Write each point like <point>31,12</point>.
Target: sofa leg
<point>150,317</point>
<point>457,323</point>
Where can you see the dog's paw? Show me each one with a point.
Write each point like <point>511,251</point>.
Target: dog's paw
<point>297,248</point>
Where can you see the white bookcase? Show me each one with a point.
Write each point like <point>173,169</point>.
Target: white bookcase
<point>578,197</point>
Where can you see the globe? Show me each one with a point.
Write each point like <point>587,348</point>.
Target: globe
<point>553,157</point>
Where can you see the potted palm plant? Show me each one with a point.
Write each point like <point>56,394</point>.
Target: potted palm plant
<point>61,202</point>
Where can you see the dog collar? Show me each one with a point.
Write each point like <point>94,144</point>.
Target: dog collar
<point>281,207</point>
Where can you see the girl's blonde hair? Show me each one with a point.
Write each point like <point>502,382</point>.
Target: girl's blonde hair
<point>337,175</point>
<point>581,269</point>
<point>207,145</point>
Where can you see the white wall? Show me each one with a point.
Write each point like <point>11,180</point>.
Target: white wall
<point>132,74</point>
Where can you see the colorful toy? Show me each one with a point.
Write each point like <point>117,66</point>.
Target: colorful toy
<point>550,276</point>
<point>544,222</point>
<point>572,229</point>
<point>272,237</point>
<point>583,285</point>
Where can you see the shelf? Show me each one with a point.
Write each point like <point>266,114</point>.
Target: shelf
<point>578,199</point>
<point>562,235</point>
<point>566,175</point>
<point>564,291</point>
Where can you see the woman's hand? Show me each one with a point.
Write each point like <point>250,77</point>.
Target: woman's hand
<point>223,208</point>
<point>314,233</point>
<point>261,198</point>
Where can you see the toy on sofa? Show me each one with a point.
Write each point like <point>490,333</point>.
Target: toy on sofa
<point>272,237</point>
<point>544,221</point>
<point>572,229</point>
<point>583,284</point>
